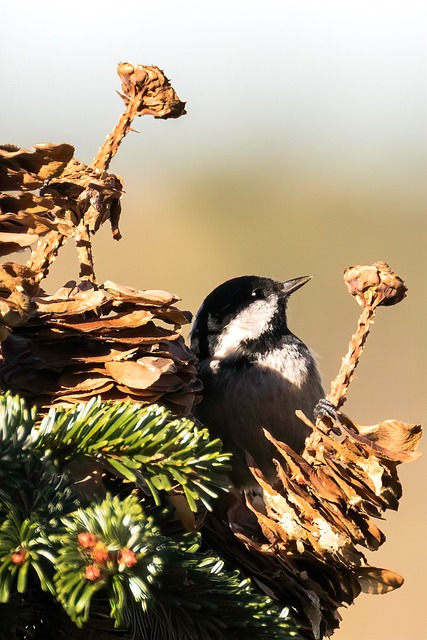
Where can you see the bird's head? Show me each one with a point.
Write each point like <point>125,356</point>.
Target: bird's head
<point>242,315</point>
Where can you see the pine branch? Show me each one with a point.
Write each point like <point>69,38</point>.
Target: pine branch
<point>29,484</point>
<point>153,581</point>
<point>146,91</point>
<point>141,444</point>
<point>112,551</point>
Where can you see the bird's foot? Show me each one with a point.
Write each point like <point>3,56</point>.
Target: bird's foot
<point>323,409</point>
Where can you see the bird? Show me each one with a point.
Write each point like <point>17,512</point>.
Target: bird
<point>255,372</point>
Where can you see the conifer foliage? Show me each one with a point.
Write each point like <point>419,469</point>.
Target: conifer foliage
<point>70,549</point>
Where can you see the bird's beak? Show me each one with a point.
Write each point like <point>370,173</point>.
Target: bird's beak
<point>292,285</point>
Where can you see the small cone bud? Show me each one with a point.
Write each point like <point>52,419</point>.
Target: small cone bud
<point>100,553</point>
<point>87,540</point>
<point>127,557</point>
<point>92,573</point>
<point>20,556</point>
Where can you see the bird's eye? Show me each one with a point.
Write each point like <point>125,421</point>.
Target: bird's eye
<point>258,294</point>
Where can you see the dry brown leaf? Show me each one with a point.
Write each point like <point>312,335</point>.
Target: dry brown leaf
<point>15,297</point>
<point>12,314</point>
<point>177,350</point>
<point>14,242</point>
<point>27,210</point>
<point>23,219</point>
<point>93,196</point>
<point>15,276</point>
<point>304,473</point>
<point>71,301</point>
<point>85,341</point>
<point>146,335</point>
<point>82,382</point>
<point>71,397</point>
<point>378,581</point>
<point>397,436</point>
<point>173,315</point>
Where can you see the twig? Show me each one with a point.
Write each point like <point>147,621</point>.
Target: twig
<point>350,361</point>
<point>146,91</point>
<point>372,286</point>
<point>111,145</point>
<point>84,252</point>
<point>44,254</point>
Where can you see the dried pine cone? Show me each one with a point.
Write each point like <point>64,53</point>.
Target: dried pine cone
<point>111,341</point>
<point>314,520</point>
<point>156,96</point>
<point>375,284</point>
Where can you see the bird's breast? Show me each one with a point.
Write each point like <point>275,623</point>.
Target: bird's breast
<point>289,362</point>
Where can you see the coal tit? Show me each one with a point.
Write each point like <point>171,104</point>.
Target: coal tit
<point>255,372</point>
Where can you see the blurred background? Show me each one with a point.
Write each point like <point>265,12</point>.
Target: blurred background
<point>303,152</point>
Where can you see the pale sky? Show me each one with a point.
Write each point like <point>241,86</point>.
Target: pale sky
<point>336,82</point>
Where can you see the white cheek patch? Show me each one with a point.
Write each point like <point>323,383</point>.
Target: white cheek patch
<point>249,324</point>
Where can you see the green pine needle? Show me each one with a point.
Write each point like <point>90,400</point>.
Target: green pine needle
<point>142,444</point>
<point>16,423</point>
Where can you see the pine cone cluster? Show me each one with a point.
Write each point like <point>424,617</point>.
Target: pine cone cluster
<point>301,537</point>
<point>85,340</point>
<point>111,341</point>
